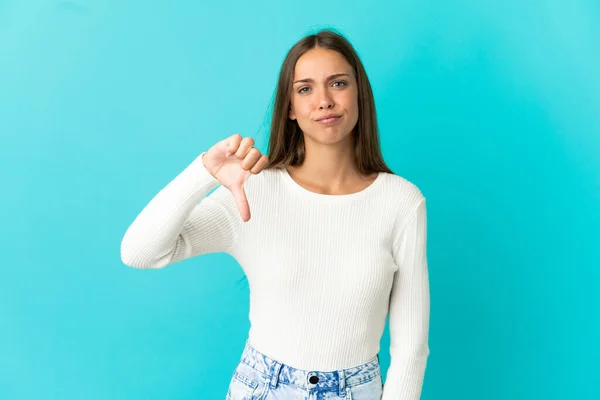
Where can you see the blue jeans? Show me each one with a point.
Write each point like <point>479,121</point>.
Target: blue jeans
<point>258,377</point>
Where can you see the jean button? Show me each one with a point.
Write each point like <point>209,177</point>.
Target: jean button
<point>313,379</point>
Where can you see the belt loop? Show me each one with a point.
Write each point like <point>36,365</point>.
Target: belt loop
<point>342,382</point>
<point>275,375</point>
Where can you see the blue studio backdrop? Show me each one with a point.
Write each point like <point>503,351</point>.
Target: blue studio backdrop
<point>491,108</point>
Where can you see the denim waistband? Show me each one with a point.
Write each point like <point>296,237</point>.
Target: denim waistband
<point>278,372</point>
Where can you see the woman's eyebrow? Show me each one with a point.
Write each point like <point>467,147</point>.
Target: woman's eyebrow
<point>309,80</point>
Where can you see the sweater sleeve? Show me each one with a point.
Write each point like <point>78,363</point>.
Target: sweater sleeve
<point>409,311</point>
<point>181,221</point>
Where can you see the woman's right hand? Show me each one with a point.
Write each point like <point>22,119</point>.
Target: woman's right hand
<point>231,161</point>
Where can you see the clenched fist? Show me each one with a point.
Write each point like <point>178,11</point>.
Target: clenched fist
<point>231,161</point>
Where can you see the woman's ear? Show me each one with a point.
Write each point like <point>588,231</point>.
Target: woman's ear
<point>291,113</point>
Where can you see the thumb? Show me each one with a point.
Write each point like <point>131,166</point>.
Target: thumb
<point>241,201</point>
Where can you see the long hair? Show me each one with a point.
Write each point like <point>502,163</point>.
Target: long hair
<point>286,140</point>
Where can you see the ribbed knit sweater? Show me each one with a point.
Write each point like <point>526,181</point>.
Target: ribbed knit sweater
<point>323,270</point>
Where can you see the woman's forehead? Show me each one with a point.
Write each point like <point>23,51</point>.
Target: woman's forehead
<point>320,64</point>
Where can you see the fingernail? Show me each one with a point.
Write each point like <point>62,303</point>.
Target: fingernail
<point>227,154</point>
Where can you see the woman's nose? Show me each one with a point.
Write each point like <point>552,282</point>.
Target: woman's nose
<point>325,101</point>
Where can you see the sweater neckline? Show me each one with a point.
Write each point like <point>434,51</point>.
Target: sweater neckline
<point>329,198</point>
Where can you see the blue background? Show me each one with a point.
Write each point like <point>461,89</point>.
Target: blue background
<point>493,110</point>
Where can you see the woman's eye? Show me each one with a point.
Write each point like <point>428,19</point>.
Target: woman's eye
<point>301,90</point>
<point>342,82</point>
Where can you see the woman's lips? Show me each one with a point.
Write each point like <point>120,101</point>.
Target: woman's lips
<point>328,121</point>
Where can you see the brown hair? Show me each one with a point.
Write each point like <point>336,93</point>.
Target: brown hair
<point>286,140</point>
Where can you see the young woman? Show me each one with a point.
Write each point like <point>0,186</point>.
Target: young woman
<point>331,241</point>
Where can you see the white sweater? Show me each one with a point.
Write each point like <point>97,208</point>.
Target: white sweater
<point>323,270</point>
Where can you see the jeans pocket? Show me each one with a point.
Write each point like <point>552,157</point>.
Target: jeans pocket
<point>244,383</point>
<point>371,390</point>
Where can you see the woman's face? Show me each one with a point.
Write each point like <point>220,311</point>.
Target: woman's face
<point>324,84</point>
